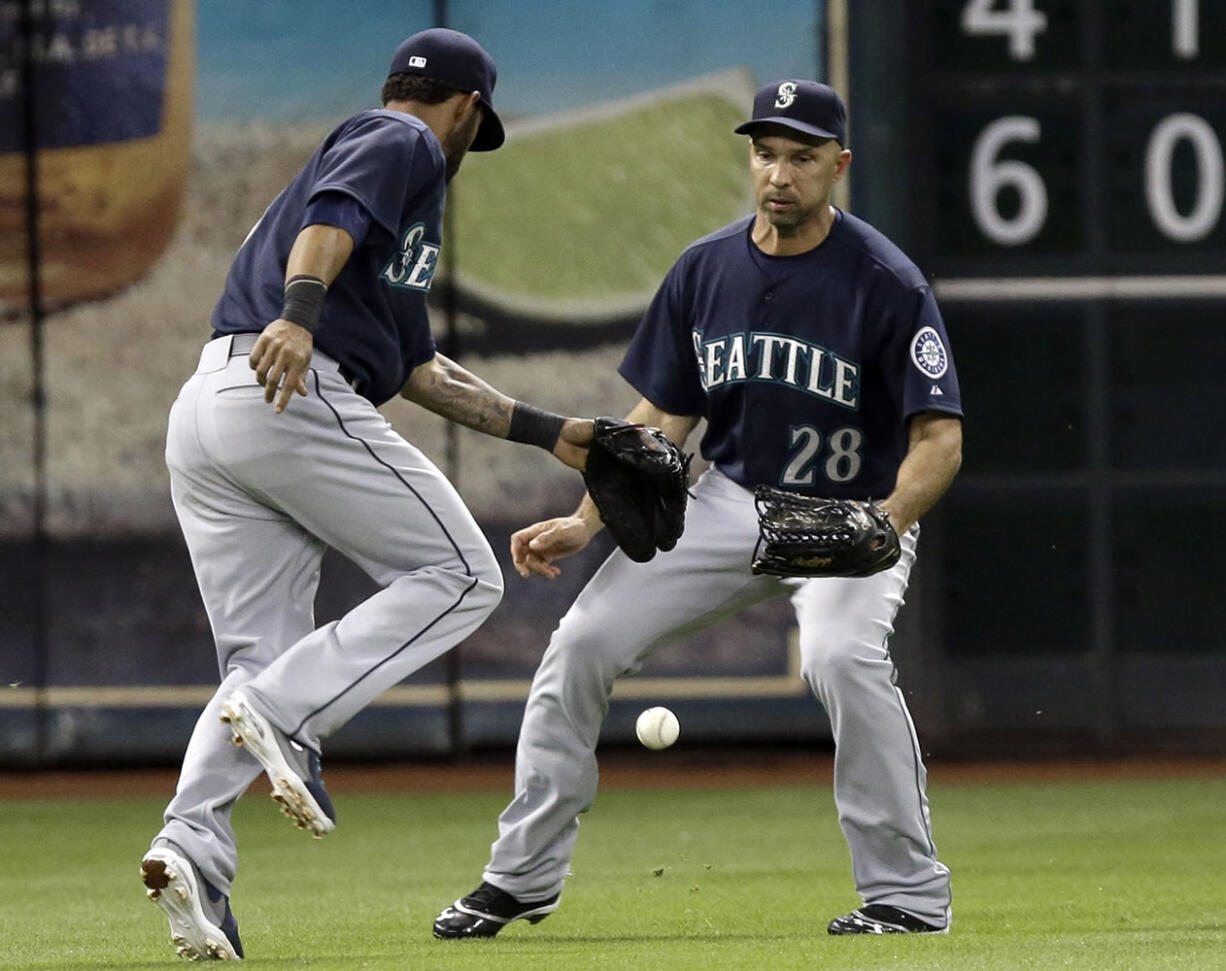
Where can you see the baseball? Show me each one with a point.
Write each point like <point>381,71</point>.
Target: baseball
<point>657,728</point>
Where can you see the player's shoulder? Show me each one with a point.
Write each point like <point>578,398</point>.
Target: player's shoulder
<point>864,242</point>
<point>394,129</point>
<point>720,243</point>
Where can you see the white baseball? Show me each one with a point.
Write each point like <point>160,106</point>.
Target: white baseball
<point>657,728</point>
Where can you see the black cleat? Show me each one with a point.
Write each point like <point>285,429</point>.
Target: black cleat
<point>487,910</point>
<point>882,919</point>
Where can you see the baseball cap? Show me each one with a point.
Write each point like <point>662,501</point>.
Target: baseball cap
<point>457,60</point>
<point>806,106</point>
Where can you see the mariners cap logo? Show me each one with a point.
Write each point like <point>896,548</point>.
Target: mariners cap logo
<point>786,94</point>
<point>808,107</point>
<point>928,352</point>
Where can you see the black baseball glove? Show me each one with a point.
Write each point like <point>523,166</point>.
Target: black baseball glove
<point>638,478</point>
<point>807,536</point>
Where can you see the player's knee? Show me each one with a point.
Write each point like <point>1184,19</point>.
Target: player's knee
<point>490,590</point>
<point>489,582</point>
<point>590,654</point>
<point>833,665</point>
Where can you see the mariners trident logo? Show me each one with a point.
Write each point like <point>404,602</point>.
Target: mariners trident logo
<point>928,352</point>
<point>414,265</point>
<point>786,94</point>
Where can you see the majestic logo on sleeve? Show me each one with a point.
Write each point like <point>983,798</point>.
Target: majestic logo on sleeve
<point>779,359</point>
<point>786,94</point>
<point>414,264</point>
<point>928,353</point>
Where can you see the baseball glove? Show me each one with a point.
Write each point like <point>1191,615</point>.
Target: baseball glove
<point>637,477</point>
<point>807,536</point>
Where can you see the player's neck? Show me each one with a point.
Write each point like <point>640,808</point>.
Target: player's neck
<point>436,117</point>
<point>793,240</point>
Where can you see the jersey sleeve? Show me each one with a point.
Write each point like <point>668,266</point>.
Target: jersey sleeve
<point>339,209</point>
<point>381,163</point>
<point>661,362</point>
<point>930,380</point>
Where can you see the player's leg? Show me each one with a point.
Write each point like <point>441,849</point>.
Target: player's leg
<point>348,478</point>
<point>257,572</point>
<point>879,775</point>
<point>625,611</point>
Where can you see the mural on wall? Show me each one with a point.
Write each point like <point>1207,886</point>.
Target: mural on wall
<point>184,119</point>
<point>112,125</point>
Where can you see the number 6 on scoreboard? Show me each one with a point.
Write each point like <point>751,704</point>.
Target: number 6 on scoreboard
<point>988,176</point>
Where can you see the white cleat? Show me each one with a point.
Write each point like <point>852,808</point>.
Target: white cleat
<point>194,934</point>
<point>299,792</point>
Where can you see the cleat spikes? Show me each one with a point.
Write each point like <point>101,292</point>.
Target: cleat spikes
<point>292,770</point>
<point>201,927</point>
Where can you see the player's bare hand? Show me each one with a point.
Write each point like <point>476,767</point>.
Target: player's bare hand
<point>535,547</point>
<point>280,359</point>
<point>571,447</point>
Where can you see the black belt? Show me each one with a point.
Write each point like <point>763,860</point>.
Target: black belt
<point>243,342</point>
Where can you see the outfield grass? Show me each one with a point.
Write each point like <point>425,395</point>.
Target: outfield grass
<point>1083,875</point>
<point>602,206</point>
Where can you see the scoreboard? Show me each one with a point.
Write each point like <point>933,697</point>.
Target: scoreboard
<point>1065,162</point>
<point>1069,137</point>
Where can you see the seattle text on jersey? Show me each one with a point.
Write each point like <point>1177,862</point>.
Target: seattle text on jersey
<point>781,359</point>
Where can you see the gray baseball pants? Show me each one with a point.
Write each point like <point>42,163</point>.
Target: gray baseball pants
<point>259,496</point>
<point>628,609</point>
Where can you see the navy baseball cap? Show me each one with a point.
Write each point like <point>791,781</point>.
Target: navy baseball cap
<point>805,106</point>
<point>456,60</point>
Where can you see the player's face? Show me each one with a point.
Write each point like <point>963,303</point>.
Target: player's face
<point>460,139</point>
<point>793,179</point>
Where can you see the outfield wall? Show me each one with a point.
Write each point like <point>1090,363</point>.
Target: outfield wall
<point>190,116</point>
<point>554,245</point>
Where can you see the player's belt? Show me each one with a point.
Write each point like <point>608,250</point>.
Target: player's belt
<point>220,350</point>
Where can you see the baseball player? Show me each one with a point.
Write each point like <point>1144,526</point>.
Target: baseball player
<point>262,481</point>
<point>815,351</point>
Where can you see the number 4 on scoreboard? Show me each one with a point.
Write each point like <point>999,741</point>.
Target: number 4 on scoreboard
<point>1018,21</point>
<point>1021,23</point>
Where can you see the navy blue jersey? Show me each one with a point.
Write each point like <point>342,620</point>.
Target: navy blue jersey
<point>374,320</point>
<point>806,368</point>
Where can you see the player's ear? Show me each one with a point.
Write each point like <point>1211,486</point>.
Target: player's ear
<point>465,104</point>
<point>841,164</point>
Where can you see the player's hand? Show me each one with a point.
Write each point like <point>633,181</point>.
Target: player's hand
<point>535,547</point>
<point>280,359</point>
<point>571,447</point>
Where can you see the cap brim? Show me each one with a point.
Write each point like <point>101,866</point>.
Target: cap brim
<point>749,127</point>
<point>491,134</point>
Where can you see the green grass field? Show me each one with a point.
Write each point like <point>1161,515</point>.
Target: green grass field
<point>1102,874</point>
<point>554,216</point>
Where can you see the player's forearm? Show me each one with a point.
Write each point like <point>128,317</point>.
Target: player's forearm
<point>447,389</point>
<point>932,461</point>
<point>590,515</point>
<point>676,427</point>
<point>319,251</point>
<point>317,256</point>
